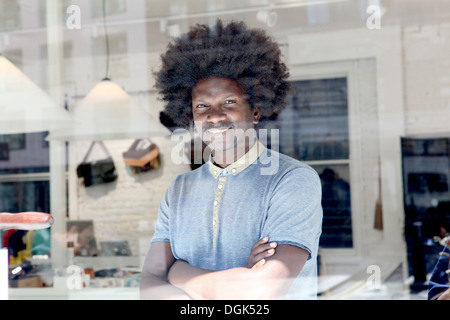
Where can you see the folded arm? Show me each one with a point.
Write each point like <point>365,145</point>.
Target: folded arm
<point>268,281</point>
<point>154,284</point>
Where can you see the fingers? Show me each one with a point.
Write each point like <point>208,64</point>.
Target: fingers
<point>262,246</point>
<point>259,264</point>
<point>262,250</point>
<point>265,251</point>
<point>260,242</point>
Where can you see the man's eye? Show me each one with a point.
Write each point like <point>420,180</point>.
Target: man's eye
<point>230,101</point>
<point>201,105</point>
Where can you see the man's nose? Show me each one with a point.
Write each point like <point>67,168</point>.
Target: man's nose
<point>216,114</point>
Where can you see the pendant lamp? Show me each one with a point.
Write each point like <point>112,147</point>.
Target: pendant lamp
<point>24,107</point>
<point>108,113</point>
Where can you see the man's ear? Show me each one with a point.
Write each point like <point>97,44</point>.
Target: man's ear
<point>256,115</point>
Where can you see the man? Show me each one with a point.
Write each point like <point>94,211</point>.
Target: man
<point>233,228</point>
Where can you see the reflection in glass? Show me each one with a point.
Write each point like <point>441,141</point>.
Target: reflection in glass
<point>314,128</point>
<point>24,153</point>
<point>337,221</point>
<point>21,197</point>
<point>426,178</point>
<point>25,196</point>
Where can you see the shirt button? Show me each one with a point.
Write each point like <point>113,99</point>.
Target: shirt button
<point>215,173</point>
<point>215,203</point>
<point>220,186</point>
<point>233,171</point>
<point>214,222</point>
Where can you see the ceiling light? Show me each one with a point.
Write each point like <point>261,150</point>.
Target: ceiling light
<point>24,107</point>
<point>108,113</point>
<point>268,17</point>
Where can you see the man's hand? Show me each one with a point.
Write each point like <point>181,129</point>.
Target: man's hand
<point>261,250</point>
<point>445,295</point>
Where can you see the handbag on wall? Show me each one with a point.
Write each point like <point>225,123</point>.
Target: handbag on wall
<point>142,156</point>
<point>99,171</point>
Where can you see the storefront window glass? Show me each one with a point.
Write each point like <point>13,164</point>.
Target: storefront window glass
<point>367,110</point>
<point>314,129</point>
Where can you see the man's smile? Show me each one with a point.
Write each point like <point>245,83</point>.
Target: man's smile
<point>218,130</point>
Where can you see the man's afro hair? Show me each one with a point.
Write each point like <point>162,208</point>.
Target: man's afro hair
<point>230,51</point>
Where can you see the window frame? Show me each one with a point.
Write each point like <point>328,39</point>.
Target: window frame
<point>385,248</point>
<point>341,70</point>
<point>339,161</point>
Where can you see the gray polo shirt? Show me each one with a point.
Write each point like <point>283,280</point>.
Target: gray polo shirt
<point>213,216</point>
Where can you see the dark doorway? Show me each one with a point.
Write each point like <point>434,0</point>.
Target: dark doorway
<point>426,176</point>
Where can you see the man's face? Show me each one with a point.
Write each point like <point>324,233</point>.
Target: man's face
<point>222,114</point>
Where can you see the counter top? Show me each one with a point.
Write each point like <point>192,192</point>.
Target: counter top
<point>113,293</point>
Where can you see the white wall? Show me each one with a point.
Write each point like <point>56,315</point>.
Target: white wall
<point>427,78</point>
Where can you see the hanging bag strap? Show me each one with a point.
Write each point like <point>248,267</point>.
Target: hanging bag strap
<point>88,152</point>
<point>91,147</point>
<point>135,144</point>
<point>104,148</point>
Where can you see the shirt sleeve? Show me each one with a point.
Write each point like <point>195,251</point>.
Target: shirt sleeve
<point>295,210</point>
<point>162,225</point>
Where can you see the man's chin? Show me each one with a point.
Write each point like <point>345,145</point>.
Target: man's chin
<point>215,147</point>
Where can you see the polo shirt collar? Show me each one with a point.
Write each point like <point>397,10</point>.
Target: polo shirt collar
<point>241,164</point>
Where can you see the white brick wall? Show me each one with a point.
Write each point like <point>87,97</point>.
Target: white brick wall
<point>127,208</point>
